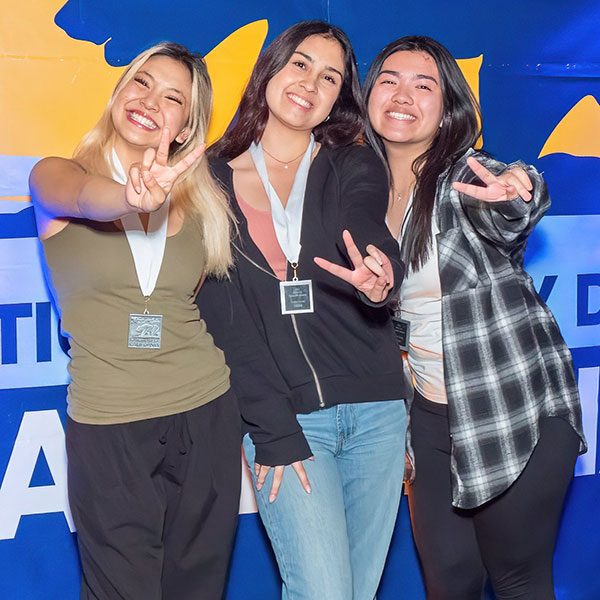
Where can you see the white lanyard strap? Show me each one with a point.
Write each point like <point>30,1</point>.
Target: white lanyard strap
<point>147,249</point>
<point>286,221</point>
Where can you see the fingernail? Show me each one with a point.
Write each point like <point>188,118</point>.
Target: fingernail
<point>272,498</point>
<point>308,489</point>
<point>259,487</point>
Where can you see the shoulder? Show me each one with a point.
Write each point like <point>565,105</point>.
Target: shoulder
<point>355,160</point>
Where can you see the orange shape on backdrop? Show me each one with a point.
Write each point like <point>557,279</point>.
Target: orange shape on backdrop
<point>470,68</point>
<point>578,132</point>
<point>230,65</point>
<point>54,88</point>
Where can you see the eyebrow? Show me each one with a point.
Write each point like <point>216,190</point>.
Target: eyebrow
<point>417,76</point>
<point>310,60</point>
<point>153,79</point>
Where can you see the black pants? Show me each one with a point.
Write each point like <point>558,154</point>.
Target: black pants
<point>511,537</point>
<point>155,503</point>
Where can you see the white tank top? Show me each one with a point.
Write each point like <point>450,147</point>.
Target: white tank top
<point>421,304</point>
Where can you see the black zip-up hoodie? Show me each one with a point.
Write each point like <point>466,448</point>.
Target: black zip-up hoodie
<point>345,351</point>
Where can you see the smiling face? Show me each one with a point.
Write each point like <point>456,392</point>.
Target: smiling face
<point>157,96</point>
<point>406,103</point>
<point>302,94</point>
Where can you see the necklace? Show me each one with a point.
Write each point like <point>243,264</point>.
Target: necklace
<point>399,197</point>
<point>285,163</point>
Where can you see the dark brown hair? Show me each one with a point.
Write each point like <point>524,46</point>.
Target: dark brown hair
<point>458,133</point>
<point>346,118</point>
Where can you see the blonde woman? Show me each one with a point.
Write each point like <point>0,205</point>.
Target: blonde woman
<point>128,227</point>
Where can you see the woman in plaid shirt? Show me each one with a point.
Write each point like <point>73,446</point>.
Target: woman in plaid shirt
<point>495,421</point>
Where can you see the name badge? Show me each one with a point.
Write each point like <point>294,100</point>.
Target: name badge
<point>144,331</point>
<point>296,297</point>
<point>402,331</point>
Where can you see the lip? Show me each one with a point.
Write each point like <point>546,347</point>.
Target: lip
<point>299,101</point>
<point>396,115</point>
<point>141,120</point>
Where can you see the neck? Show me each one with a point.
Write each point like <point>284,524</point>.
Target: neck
<point>283,142</point>
<point>128,154</point>
<point>400,159</point>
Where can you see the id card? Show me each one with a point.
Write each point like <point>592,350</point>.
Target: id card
<point>296,297</point>
<point>402,331</point>
<point>144,331</point>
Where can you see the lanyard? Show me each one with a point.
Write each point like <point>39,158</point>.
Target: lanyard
<point>286,221</point>
<point>147,249</point>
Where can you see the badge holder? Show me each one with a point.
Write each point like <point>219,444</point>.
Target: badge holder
<point>402,331</point>
<point>296,296</point>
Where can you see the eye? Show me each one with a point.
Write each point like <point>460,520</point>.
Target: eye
<point>300,64</point>
<point>330,79</point>
<point>139,79</point>
<point>175,99</point>
<point>387,82</point>
<point>422,86</point>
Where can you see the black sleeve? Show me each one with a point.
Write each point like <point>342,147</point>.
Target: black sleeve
<point>364,200</point>
<point>262,393</point>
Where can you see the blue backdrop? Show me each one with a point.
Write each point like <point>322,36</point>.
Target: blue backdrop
<point>538,70</point>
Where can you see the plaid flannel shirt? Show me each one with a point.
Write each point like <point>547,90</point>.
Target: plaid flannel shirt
<point>505,362</point>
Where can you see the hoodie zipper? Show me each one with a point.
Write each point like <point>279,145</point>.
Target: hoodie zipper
<point>295,325</point>
<point>310,365</point>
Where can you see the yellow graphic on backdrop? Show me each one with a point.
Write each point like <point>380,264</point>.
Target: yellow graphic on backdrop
<point>53,88</point>
<point>470,68</point>
<point>578,132</point>
<point>230,65</point>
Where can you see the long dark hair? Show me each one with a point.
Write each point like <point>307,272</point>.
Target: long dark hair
<point>346,118</point>
<point>459,131</point>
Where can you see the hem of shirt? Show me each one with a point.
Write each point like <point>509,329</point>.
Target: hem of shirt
<point>162,411</point>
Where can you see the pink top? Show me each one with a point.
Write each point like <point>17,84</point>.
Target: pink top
<point>262,232</point>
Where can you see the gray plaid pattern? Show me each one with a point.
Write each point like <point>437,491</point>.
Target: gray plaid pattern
<point>505,362</point>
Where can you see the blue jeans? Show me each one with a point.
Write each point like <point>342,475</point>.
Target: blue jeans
<point>332,544</point>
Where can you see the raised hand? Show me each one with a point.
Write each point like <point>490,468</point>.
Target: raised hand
<point>508,186</point>
<point>150,181</point>
<point>372,275</point>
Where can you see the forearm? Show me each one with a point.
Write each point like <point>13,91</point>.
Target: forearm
<point>507,223</point>
<point>102,199</point>
<point>63,188</point>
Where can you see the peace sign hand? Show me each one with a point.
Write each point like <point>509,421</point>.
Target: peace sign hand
<point>150,181</point>
<point>372,275</point>
<point>508,186</point>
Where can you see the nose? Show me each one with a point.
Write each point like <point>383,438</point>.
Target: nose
<point>309,81</point>
<point>150,101</point>
<point>402,94</point>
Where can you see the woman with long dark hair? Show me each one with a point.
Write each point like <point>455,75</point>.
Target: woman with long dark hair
<point>495,423</point>
<point>311,202</point>
<point>128,227</point>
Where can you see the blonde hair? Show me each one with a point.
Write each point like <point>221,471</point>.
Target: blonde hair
<point>195,191</point>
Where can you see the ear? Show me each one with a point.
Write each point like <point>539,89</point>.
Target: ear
<point>183,135</point>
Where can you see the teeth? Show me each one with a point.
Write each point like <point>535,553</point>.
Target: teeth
<point>300,101</point>
<point>401,116</point>
<point>143,120</point>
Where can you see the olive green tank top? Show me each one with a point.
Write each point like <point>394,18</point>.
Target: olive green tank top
<point>96,289</point>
